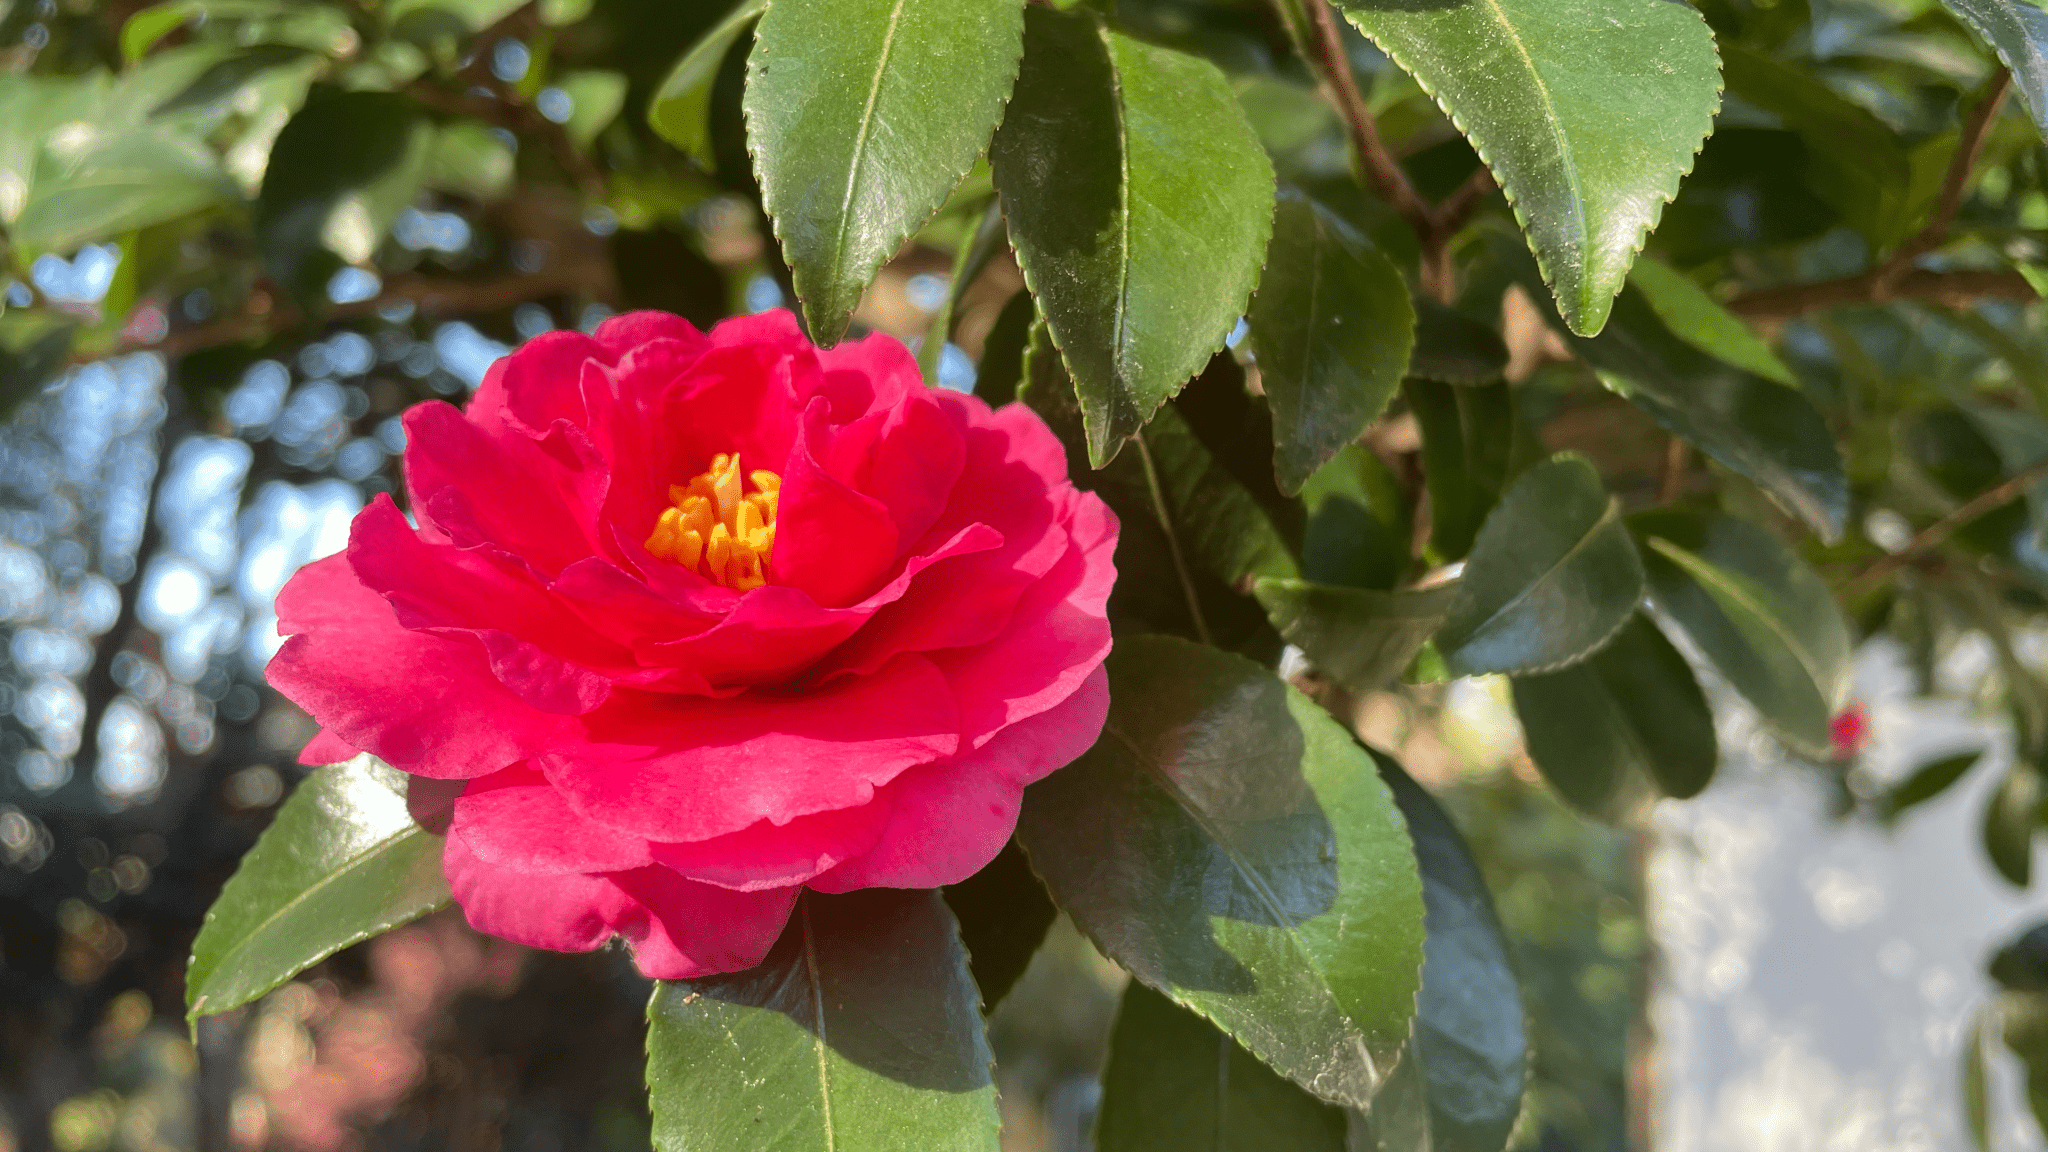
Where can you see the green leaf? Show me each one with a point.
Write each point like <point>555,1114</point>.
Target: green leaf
<point>1926,782</point>
<point>1000,374</point>
<point>1174,1082</point>
<point>862,115</point>
<point>1552,576</point>
<point>1219,523</point>
<point>226,77</point>
<point>115,182</point>
<point>2009,820</point>
<point>1228,843</point>
<point>1004,914</point>
<point>1587,112</point>
<point>970,260</point>
<point>681,110</point>
<point>1139,201</point>
<point>1364,639</point>
<point>342,861</point>
<point>1976,1092</point>
<point>1631,713</point>
<point>858,1033</point>
<point>1763,430</point>
<point>1359,527</point>
<point>1701,321</point>
<point>1471,1038</point>
<point>150,25</point>
<point>1467,436</point>
<point>1332,324</point>
<point>1856,163</point>
<point>339,174</point>
<point>468,159</point>
<point>1761,616</point>
<point>1453,348</point>
<point>595,97</point>
<point>2018,32</point>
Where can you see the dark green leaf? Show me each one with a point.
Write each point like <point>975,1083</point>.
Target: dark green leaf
<point>2018,32</point>
<point>342,861</point>
<point>988,238</point>
<point>1631,713</point>
<point>1926,782</point>
<point>1763,430</point>
<point>2022,964</point>
<point>1358,530</point>
<point>2009,821</point>
<point>681,111</point>
<point>1004,913</point>
<point>1228,843</point>
<point>1219,523</point>
<point>1361,638</point>
<point>1332,325</point>
<point>1139,201</point>
<point>339,174</point>
<point>1552,576</point>
<point>1471,1039</point>
<point>1001,371</point>
<point>1467,437</point>
<point>858,1033</point>
<point>1763,618</point>
<point>862,115</point>
<point>1453,348</point>
<point>1587,111</point>
<point>1701,321</point>
<point>1175,1083</point>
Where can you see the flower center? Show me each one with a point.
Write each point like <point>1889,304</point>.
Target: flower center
<point>719,530</point>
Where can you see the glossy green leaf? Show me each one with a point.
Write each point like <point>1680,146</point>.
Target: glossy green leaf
<point>1359,524</point>
<point>1139,202</point>
<point>1632,713</point>
<point>1332,324</point>
<point>341,862</point>
<point>862,115</point>
<point>1761,429</point>
<point>1701,321</point>
<point>2009,820</point>
<point>116,182</point>
<point>681,110</point>
<point>1760,615</point>
<point>1004,914</point>
<point>1471,1038</point>
<point>1552,576</point>
<point>1364,639</point>
<point>1228,843</point>
<point>1587,111</point>
<point>339,174</point>
<point>1453,348</point>
<point>1926,782</point>
<point>1174,1082</point>
<point>1467,437</point>
<point>858,1033</point>
<point>2018,32</point>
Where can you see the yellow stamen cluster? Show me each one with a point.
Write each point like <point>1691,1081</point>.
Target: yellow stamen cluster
<point>718,529</point>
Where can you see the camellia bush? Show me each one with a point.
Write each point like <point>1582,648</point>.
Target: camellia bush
<point>1274,354</point>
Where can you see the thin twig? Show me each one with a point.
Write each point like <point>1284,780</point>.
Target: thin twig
<point>1458,207</point>
<point>1673,484</point>
<point>1968,148</point>
<point>1389,180</point>
<point>1955,290</point>
<point>1930,537</point>
<point>1180,562</point>
<point>1896,278</point>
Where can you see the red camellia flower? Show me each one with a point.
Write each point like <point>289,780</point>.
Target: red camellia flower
<point>690,622</point>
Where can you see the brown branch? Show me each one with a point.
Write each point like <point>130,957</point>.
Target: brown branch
<point>1389,180</point>
<point>1932,536</point>
<point>1896,278</point>
<point>1957,290</point>
<point>432,296</point>
<point>1968,148</point>
<point>1458,207</point>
